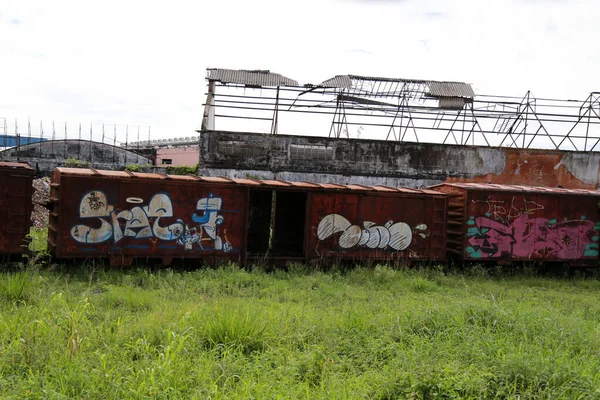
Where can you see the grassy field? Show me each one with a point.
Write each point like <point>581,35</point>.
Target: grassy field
<point>375,333</point>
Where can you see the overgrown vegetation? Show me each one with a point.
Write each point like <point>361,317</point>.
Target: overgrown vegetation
<point>378,333</point>
<point>38,240</point>
<point>135,168</point>
<point>253,176</point>
<point>171,170</point>
<point>182,170</point>
<point>75,163</point>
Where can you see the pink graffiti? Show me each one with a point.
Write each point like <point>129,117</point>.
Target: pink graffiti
<point>532,238</point>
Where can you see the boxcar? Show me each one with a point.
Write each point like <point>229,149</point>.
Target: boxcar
<point>125,215</point>
<point>16,190</point>
<point>377,223</point>
<point>301,221</point>
<point>489,222</point>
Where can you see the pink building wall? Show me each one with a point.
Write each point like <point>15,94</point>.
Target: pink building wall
<point>188,155</point>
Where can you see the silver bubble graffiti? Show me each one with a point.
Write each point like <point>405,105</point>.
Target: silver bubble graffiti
<point>397,236</point>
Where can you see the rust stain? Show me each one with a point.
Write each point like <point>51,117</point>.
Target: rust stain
<point>533,169</point>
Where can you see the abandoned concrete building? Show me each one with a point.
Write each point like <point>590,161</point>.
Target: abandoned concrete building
<point>393,132</point>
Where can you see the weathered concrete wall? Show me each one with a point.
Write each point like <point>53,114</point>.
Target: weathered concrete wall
<point>390,163</point>
<point>48,155</point>
<point>319,177</point>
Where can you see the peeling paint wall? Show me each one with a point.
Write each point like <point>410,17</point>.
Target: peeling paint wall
<point>390,163</point>
<point>544,168</point>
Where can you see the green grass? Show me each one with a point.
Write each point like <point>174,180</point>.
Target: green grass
<point>373,333</point>
<point>15,286</point>
<point>39,239</point>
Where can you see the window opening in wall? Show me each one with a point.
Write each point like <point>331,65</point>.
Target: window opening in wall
<point>310,152</point>
<point>167,161</point>
<point>239,148</point>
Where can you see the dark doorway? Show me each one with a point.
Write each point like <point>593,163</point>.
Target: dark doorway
<point>259,231</point>
<point>288,233</point>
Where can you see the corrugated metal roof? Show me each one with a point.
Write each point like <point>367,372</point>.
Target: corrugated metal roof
<point>249,77</point>
<point>7,164</point>
<point>450,89</point>
<point>243,182</point>
<point>520,188</point>
<point>436,88</point>
<point>338,81</point>
<point>383,79</point>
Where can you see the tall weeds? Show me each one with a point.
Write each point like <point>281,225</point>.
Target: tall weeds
<point>15,286</point>
<point>378,333</point>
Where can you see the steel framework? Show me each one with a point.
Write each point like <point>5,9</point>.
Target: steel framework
<point>405,110</point>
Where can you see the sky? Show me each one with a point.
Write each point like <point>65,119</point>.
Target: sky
<point>130,62</point>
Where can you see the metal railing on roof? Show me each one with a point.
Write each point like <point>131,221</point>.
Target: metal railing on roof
<point>411,110</point>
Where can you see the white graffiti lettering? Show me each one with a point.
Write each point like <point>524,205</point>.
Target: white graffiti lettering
<point>144,222</point>
<point>397,236</point>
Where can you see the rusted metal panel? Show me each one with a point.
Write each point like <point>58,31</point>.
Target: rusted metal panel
<point>517,223</point>
<point>305,185</point>
<point>275,183</point>
<point>528,189</point>
<point>16,191</point>
<point>15,165</point>
<point>538,168</point>
<point>121,217</point>
<point>376,226</point>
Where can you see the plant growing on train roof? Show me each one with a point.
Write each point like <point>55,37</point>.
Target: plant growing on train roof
<point>137,168</point>
<point>134,168</point>
<point>183,170</point>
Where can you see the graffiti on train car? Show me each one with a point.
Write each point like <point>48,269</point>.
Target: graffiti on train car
<point>397,236</point>
<point>513,231</point>
<point>499,210</point>
<point>144,222</point>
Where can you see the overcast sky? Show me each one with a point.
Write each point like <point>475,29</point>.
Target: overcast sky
<point>143,62</point>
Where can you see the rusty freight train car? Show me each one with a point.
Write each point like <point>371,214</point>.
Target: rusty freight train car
<point>377,223</point>
<point>501,223</point>
<point>330,222</point>
<point>124,215</point>
<point>16,191</point>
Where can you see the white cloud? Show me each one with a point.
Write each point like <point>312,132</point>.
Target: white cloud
<point>143,62</point>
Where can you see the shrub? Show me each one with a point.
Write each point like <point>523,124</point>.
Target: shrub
<point>134,168</point>
<point>182,170</point>
<point>75,163</point>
